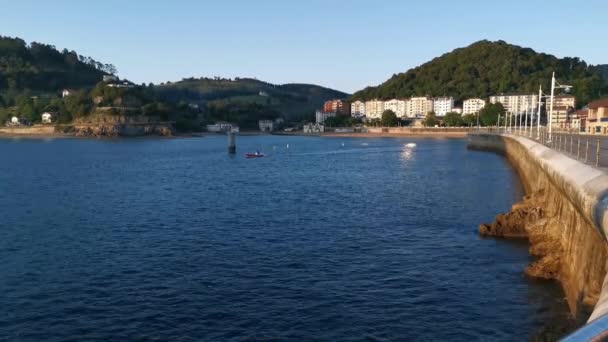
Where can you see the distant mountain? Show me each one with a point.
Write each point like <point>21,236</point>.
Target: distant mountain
<point>291,100</point>
<point>40,68</point>
<point>486,68</point>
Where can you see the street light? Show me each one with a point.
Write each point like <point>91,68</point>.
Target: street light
<point>555,85</point>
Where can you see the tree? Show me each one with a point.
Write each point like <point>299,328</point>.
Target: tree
<point>389,118</point>
<point>78,104</point>
<point>453,120</point>
<point>431,120</point>
<point>488,116</point>
<point>469,119</point>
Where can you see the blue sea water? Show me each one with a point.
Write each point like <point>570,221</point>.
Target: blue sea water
<point>323,239</point>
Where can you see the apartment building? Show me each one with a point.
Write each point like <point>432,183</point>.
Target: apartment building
<point>597,117</point>
<point>399,107</point>
<point>357,109</point>
<point>321,116</point>
<point>419,107</point>
<point>472,106</point>
<point>516,104</point>
<point>374,109</point>
<point>340,107</point>
<point>563,105</point>
<point>443,105</point>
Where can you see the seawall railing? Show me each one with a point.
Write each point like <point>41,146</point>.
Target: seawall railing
<point>587,148</point>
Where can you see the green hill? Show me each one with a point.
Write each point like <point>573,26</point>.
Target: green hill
<point>486,68</point>
<point>40,68</point>
<point>291,100</point>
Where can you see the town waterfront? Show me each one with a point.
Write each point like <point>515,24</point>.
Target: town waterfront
<point>324,239</point>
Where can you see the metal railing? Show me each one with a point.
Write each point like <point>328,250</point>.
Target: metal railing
<point>587,148</point>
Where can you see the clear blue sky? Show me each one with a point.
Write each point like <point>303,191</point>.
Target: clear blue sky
<point>343,44</point>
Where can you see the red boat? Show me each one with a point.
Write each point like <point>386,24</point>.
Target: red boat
<point>254,155</point>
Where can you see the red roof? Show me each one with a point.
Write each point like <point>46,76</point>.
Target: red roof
<point>599,103</point>
<point>582,113</point>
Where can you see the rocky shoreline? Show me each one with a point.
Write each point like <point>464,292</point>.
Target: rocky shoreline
<point>527,220</point>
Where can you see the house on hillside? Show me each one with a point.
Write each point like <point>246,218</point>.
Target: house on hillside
<point>313,128</point>
<point>222,126</point>
<point>47,118</point>
<point>17,121</point>
<point>66,92</point>
<point>110,78</point>
<point>266,125</point>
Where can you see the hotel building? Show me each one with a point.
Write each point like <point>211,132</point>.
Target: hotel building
<point>419,107</point>
<point>472,106</point>
<point>443,105</point>
<point>357,109</point>
<point>516,104</point>
<point>399,107</point>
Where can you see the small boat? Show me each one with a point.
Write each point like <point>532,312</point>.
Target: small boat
<point>410,145</point>
<point>254,155</point>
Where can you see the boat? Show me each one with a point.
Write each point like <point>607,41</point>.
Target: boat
<point>410,145</point>
<point>254,155</point>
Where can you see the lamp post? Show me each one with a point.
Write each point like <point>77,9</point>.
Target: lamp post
<point>540,104</point>
<point>555,85</point>
<point>526,122</point>
<point>498,123</point>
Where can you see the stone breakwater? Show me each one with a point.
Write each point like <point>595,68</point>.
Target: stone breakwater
<point>91,130</point>
<point>119,130</point>
<point>564,216</point>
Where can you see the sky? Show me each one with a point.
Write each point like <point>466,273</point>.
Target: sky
<point>341,44</point>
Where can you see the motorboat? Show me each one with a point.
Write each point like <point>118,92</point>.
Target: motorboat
<point>254,155</point>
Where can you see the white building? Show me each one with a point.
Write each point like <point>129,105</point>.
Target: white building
<point>266,125</point>
<point>321,116</point>
<point>222,126</point>
<point>443,105</point>
<point>15,121</point>
<point>419,107</point>
<point>457,110</point>
<point>357,109</point>
<point>516,104</point>
<point>473,106</point>
<point>374,109</point>
<point>399,107</point>
<point>66,93</point>
<point>110,78</point>
<point>47,117</point>
<point>314,128</point>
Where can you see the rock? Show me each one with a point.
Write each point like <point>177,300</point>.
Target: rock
<point>513,224</point>
<point>548,267</point>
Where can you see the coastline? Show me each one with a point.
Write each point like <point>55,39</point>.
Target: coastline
<point>412,134</point>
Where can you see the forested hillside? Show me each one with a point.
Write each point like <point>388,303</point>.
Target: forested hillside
<point>39,68</point>
<point>290,100</point>
<point>486,68</point>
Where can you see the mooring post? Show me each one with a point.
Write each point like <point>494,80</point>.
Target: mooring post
<point>231,142</point>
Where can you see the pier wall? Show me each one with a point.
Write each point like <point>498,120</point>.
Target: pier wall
<point>574,199</point>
